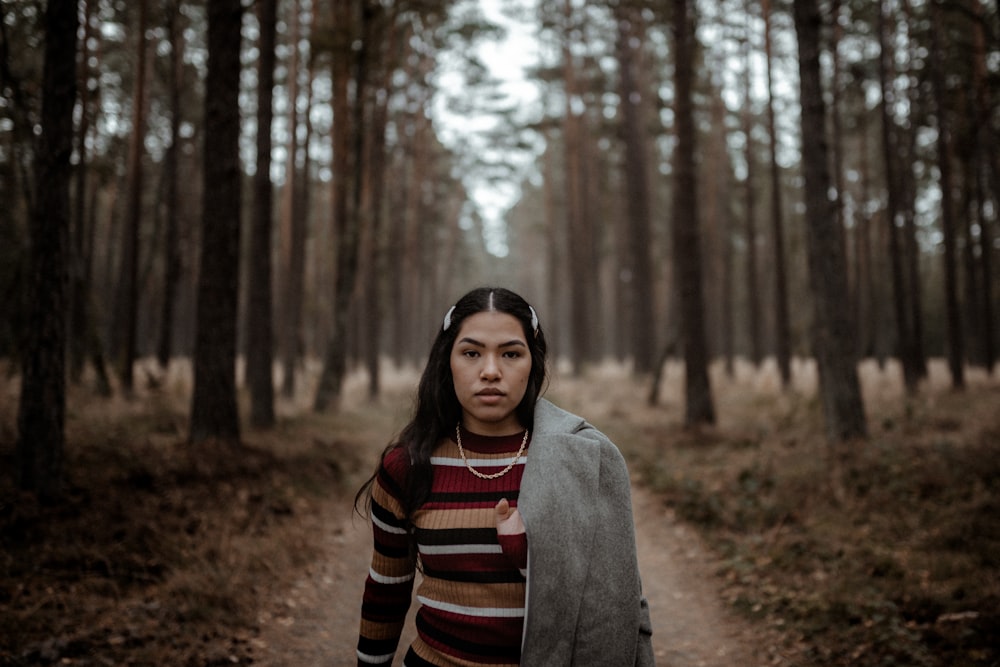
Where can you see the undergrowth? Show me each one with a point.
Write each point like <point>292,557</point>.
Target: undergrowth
<point>878,552</point>
<point>160,552</point>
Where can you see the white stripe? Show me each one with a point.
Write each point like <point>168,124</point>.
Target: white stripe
<point>374,659</point>
<point>387,528</point>
<point>476,463</point>
<point>486,612</point>
<point>382,579</point>
<point>458,549</point>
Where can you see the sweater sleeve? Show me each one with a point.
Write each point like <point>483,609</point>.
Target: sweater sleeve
<point>389,586</point>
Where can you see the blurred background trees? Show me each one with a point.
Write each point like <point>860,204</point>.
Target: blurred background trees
<point>377,220</point>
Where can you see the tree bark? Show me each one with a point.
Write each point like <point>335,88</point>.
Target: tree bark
<point>699,408</point>
<point>293,215</point>
<point>750,194</point>
<point>346,135</point>
<point>214,412</point>
<point>782,337</point>
<point>987,167</point>
<point>956,343</point>
<point>638,270</point>
<point>172,253</point>
<point>81,241</point>
<point>579,241</point>
<point>259,326</point>
<point>129,266</point>
<point>840,391</point>
<point>374,201</point>
<point>41,418</point>
<point>904,330</point>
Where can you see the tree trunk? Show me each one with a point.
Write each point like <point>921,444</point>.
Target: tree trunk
<point>172,251</point>
<point>259,326</point>
<point>214,412</point>
<point>750,224</point>
<point>782,343</point>
<point>987,166</point>
<point>904,330</point>
<point>579,241</point>
<point>686,233</point>
<point>294,212</point>
<point>918,360</point>
<point>346,222</point>
<point>956,353</point>
<point>80,234</point>
<point>840,391</point>
<point>41,413</point>
<point>639,266</point>
<point>129,266</point>
<point>375,205</point>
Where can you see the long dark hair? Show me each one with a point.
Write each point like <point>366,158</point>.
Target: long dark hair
<point>437,409</point>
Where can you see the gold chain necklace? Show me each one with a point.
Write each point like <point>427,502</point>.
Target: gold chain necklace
<point>482,475</point>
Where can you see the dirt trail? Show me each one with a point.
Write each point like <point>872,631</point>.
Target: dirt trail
<point>315,623</point>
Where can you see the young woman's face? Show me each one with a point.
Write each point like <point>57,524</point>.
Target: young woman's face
<point>490,364</point>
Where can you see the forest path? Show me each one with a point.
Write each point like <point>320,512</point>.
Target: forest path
<point>315,622</point>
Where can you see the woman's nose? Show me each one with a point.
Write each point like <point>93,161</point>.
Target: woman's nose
<point>491,369</point>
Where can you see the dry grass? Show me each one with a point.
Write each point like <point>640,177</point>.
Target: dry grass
<point>162,553</point>
<point>881,553</point>
<point>884,552</point>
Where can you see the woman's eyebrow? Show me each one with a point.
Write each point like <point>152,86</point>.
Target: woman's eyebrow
<point>510,343</point>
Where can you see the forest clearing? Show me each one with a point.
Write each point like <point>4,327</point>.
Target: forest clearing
<point>882,552</point>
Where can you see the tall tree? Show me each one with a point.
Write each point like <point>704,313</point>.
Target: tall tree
<point>840,391</point>
<point>347,225</point>
<point>80,256</point>
<point>583,287</point>
<point>259,326</point>
<point>953,317</point>
<point>171,200</point>
<point>904,327</point>
<point>699,408</point>
<point>214,412</point>
<point>41,413</point>
<point>128,312</point>
<point>639,267</point>
<point>908,186</point>
<point>782,336</point>
<point>375,193</point>
<point>293,213</point>
<point>750,192</point>
<point>987,171</point>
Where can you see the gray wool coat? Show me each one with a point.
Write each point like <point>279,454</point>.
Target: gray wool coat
<point>584,602</point>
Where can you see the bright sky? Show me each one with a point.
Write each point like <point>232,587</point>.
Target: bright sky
<point>507,60</point>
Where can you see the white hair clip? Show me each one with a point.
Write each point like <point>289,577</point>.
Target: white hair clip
<point>534,320</point>
<point>447,319</point>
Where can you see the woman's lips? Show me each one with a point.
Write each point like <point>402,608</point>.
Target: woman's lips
<point>490,396</point>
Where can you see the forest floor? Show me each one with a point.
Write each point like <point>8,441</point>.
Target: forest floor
<point>759,544</point>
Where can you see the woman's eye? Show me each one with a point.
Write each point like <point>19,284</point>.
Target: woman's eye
<point>471,354</point>
<point>512,355</point>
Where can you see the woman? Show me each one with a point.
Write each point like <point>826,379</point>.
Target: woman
<point>517,513</point>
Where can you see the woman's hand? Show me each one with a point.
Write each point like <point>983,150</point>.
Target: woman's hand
<point>508,519</point>
<point>511,535</point>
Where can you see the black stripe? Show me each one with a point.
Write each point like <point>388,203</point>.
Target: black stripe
<point>457,536</point>
<point>414,660</point>
<point>501,577</point>
<point>385,516</point>
<point>377,646</point>
<point>392,552</point>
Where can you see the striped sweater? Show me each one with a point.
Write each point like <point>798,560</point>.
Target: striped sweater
<point>472,593</point>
